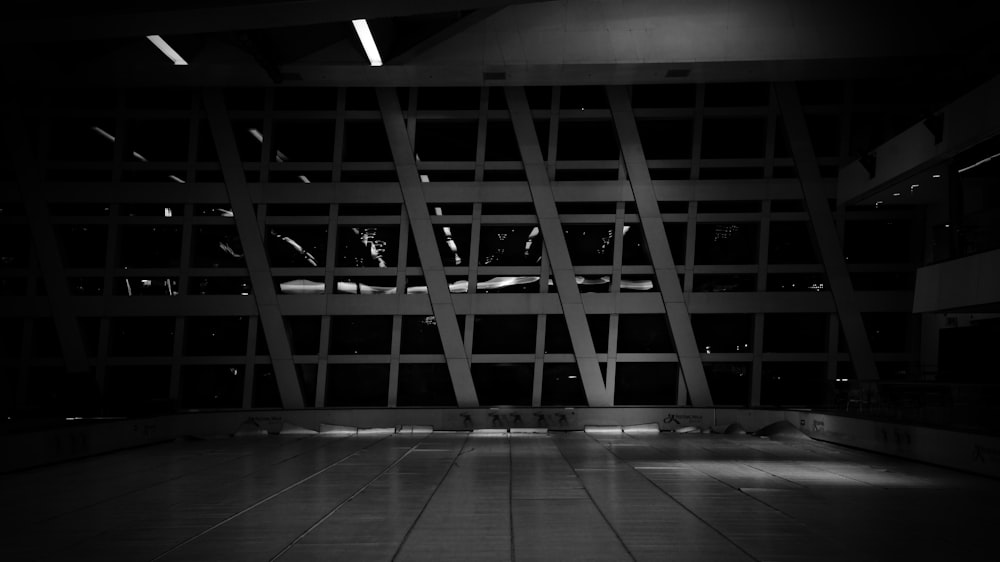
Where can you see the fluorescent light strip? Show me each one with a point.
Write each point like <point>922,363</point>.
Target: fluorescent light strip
<point>103,133</point>
<point>166,49</point>
<point>983,161</point>
<point>367,41</point>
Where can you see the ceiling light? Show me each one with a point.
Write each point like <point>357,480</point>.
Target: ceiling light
<point>897,194</point>
<point>103,133</point>
<point>936,176</point>
<point>167,50</point>
<point>367,41</point>
<point>983,161</point>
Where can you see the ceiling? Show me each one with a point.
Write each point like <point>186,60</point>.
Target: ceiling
<point>472,42</point>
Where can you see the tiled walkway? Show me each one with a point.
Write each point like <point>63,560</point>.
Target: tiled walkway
<point>455,496</point>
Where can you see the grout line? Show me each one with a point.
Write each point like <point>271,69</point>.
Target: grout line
<point>265,500</point>
<point>416,519</point>
<point>349,499</point>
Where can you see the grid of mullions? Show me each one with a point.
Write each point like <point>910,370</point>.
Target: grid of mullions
<point>166,191</point>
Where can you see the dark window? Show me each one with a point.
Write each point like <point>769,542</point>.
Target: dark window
<point>142,337</point>
<point>557,338</point>
<point>726,243</point>
<point>211,386</point>
<point>302,141</point>
<point>221,335</point>
<point>303,334</point>
<point>366,141</point>
<point>265,388</point>
<point>886,241</point>
<point>587,140</point>
<point>448,98</point>
<point>743,94</point>
<point>11,334</point>
<point>723,333</point>
<point>786,282</point>
<point>725,282</point>
<point>562,386</point>
<point>425,384</point>
<point>728,207</point>
<point>149,246</point>
<point>82,245</point>
<point>81,286</point>
<point>307,375</point>
<point>645,384</point>
<point>666,139</point>
<point>510,245</point>
<point>802,333</point>
<point>140,390</point>
<point>304,98</point>
<point>219,286</point>
<point>729,383</point>
<point>367,246</point>
<point>357,385</point>
<point>353,335</point>
<point>157,140</point>
<point>503,384</point>
<point>446,140</point>
<point>634,249</point>
<point>733,138</point>
<point>420,336</point>
<point>81,140</point>
<point>644,333</point>
<point>824,131</point>
<point>794,384</point>
<point>590,244</point>
<point>368,209</point>
<point>501,143</point>
<point>887,331</point>
<point>884,281</point>
<point>216,246</point>
<point>504,334</point>
<point>791,242</point>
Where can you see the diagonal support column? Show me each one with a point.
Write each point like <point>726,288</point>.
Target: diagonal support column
<point>253,247</point>
<point>29,180</point>
<point>826,231</point>
<point>556,248</point>
<point>430,259</point>
<point>659,250</point>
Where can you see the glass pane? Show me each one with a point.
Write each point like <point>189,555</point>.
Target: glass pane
<point>796,332</point>
<point>211,386</point>
<point>561,385</point>
<point>590,244</point>
<point>795,384</point>
<point>503,384</point>
<point>357,385</point>
<point>509,245</point>
<point>367,246</point>
<point>729,383</point>
<point>222,335</point>
<point>645,384</point>
<point>420,336</point>
<point>265,388</point>
<point>644,333</point>
<point>149,246</point>
<point>726,243</point>
<point>791,242</point>
<point>216,246</point>
<point>296,246</point>
<point>453,243</point>
<point>303,333</point>
<point>425,384</point>
<point>83,245</point>
<point>139,390</point>
<point>141,337</point>
<point>725,282</point>
<point>353,335</point>
<point>504,334</point>
<point>723,333</point>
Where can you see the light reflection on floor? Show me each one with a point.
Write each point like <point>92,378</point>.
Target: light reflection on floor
<point>461,497</point>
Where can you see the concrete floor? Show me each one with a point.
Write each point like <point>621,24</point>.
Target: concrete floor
<point>454,496</point>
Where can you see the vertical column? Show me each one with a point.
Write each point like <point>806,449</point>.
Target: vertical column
<point>826,231</point>
<point>29,180</point>
<point>253,246</point>
<point>659,250</point>
<point>556,248</point>
<point>430,260</point>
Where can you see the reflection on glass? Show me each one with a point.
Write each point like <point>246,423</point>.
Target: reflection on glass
<point>219,286</point>
<point>301,287</point>
<point>726,243</point>
<point>296,246</point>
<point>216,246</point>
<point>510,245</point>
<point>590,244</point>
<point>367,246</point>
<point>146,286</point>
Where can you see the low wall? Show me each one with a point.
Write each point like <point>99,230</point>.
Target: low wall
<point>964,451</point>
